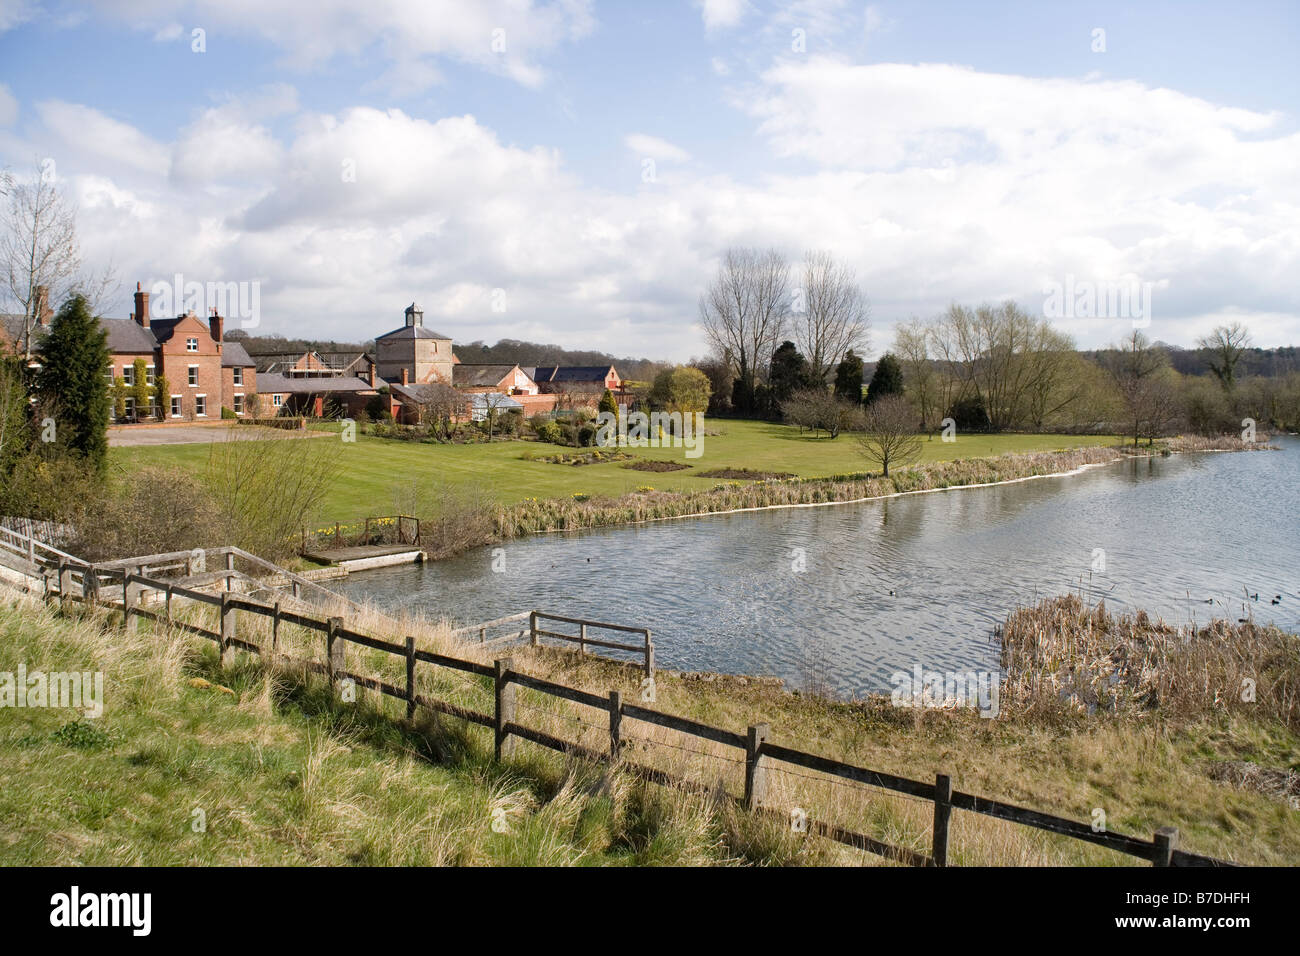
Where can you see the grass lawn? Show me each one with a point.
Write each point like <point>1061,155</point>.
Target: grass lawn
<point>373,468</point>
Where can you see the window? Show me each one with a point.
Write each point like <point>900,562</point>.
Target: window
<point>128,374</point>
<point>130,408</point>
<point>148,374</point>
<point>200,406</point>
<point>239,376</point>
<point>194,376</point>
<point>108,373</point>
<point>277,400</point>
<point>191,345</point>
<point>176,406</point>
<point>239,404</point>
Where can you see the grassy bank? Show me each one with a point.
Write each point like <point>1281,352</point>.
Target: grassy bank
<point>287,774</point>
<point>376,471</point>
<point>652,504</point>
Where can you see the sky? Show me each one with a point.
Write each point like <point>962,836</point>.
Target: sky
<point>571,172</point>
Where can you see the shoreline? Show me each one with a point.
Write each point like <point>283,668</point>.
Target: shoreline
<point>852,501</point>
<point>587,514</point>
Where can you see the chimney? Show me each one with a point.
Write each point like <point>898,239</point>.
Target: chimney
<point>372,374</point>
<point>141,315</point>
<point>217,324</point>
<point>406,377</point>
<point>43,310</point>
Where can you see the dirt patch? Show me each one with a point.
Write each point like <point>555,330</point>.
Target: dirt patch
<point>652,464</point>
<point>742,474</point>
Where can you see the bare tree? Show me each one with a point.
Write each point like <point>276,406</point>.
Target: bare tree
<point>832,316</point>
<point>820,409</point>
<point>1224,347</point>
<point>889,436</point>
<point>39,256</point>
<point>439,406</point>
<point>1133,366</point>
<point>919,375</point>
<point>744,310</point>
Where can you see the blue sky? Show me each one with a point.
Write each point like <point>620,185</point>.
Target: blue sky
<point>946,151</point>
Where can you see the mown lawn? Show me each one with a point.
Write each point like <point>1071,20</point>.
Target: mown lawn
<point>375,468</point>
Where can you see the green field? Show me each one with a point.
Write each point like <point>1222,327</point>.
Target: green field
<point>374,468</point>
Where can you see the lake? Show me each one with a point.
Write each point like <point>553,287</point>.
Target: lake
<point>845,595</point>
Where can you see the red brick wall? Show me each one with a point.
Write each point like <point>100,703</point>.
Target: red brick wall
<point>176,360</point>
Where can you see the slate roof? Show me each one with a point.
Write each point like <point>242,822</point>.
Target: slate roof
<point>268,382</point>
<point>593,374</point>
<point>479,376</point>
<point>124,335</point>
<point>234,355</point>
<point>413,332</point>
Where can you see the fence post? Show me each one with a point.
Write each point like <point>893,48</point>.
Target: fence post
<point>649,655</point>
<point>129,592</point>
<point>505,711</point>
<point>582,639</point>
<point>168,601</point>
<point>230,566</point>
<point>615,724</point>
<point>410,677</point>
<point>275,627</point>
<point>755,766</point>
<point>90,585</point>
<point>1166,844</point>
<point>227,626</point>
<point>334,648</point>
<point>532,628</point>
<point>65,583</point>
<point>942,813</point>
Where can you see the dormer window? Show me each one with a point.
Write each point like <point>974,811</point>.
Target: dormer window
<point>191,345</point>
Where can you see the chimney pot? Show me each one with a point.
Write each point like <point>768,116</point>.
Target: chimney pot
<point>217,324</point>
<point>405,377</point>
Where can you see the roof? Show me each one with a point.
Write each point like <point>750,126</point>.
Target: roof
<point>569,373</point>
<point>417,393</point>
<point>413,332</point>
<point>234,355</point>
<point>125,335</point>
<point>268,382</point>
<point>478,376</point>
<point>495,400</point>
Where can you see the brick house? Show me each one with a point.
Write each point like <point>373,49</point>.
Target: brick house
<point>204,372</point>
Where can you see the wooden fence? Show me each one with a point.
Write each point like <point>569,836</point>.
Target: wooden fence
<point>760,756</point>
<point>375,530</point>
<point>644,649</point>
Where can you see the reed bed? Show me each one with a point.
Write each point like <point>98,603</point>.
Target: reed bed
<point>1063,656</point>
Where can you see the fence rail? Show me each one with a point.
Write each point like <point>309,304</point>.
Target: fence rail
<point>761,758</point>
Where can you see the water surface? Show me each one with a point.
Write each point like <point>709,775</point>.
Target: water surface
<point>919,579</point>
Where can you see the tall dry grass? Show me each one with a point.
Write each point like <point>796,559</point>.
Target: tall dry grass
<point>1062,656</point>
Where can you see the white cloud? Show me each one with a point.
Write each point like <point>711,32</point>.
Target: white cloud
<point>83,131</point>
<point>935,182</point>
<point>722,14</point>
<point>655,148</point>
<point>168,32</point>
<point>504,36</point>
